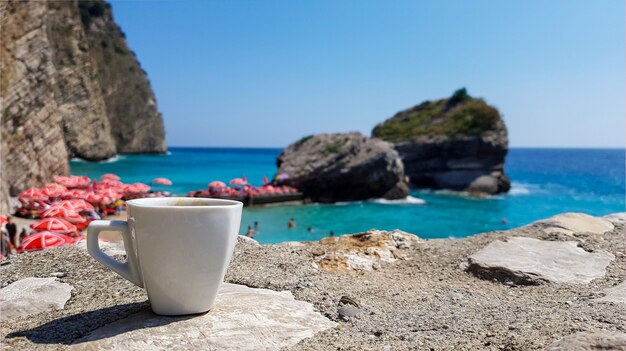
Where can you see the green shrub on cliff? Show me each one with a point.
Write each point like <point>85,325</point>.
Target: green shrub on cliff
<point>458,115</point>
<point>91,8</point>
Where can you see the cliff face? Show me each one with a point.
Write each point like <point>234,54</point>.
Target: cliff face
<point>136,124</point>
<point>458,143</point>
<point>69,87</point>
<point>342,167</point>
<point>33,145</point>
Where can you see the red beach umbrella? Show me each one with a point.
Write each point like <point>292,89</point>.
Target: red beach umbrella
<point>58,225</point>
<point>163,181</point>
<point>3,219</point>
<point>217,184</point>
<point>107,184</point>
<point>136,188</point>
<point>71,216</point>
<point>109,176</point>
<point>55,186</point>
<point>53,192</point>
<point>109,193</point>
<point>94,198</point>
<point>73,181</point>
<point>43,240</point>
<point>75,204</point>
<point>32,194</point>
<point>238,181</point>
<point>265,180</point>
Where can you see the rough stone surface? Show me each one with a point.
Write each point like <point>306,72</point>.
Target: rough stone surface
<point>423,302</point>
<point>615,294</point>
<point>436,158</point>
<point>243,318</point>
<point>590,341</point>
<point>531,261</point>
<point>136,124</point>
<point>68,88</point>
<point>570,223</point>
<point>33,148</point>
<point>616,218</point>
<point>342,167</point>
<point>33,295</point>
<point>363,251</point>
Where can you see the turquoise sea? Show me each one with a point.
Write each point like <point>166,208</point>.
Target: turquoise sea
<point>545,182</point>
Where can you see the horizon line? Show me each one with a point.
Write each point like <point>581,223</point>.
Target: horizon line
<point>511,147</point>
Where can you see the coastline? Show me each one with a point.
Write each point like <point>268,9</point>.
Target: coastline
<point>421,299</point>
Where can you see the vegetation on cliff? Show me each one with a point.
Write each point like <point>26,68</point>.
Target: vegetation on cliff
<point>459,115</point>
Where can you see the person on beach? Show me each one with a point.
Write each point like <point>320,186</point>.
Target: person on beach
<point>331,234</point>
<point>250,232</point>
<point>102,209</point>
<point>4,243</point>
<point>256,226</point>
<point>291,224</point>
<point>12,231</point>
<point>23,234</point>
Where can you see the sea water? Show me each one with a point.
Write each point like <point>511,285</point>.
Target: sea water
<point>545,182</point>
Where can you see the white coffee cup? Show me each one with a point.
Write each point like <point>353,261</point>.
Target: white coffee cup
<point>177,248</point>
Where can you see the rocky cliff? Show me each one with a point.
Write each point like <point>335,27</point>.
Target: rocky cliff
<point>69,87</point>
<point>136,124</point>
<point>459,143</point>
<point>342,167</point>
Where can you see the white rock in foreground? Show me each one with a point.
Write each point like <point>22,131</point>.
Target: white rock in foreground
<point>243,318</point>
<point>570,223</point>
<point>531,261</point>
<point>615,218</point>
<point>615,294</point>
<point>33,295</point>
<point>589,341</point>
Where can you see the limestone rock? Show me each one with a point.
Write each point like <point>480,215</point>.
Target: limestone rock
<point>616,294</point>
<point>136,124</point>
<point>590,341</point>
<point>69,86</point>
<point>86,128</point>
<point>33,148</point>
<point>33,295</point>
<point>243,318</point>
<point>569,223</point>
<point>364,251</point>
<point>616,218</point>
<point>458,143</point>
<point>342,167</point>
<point>531,261</point>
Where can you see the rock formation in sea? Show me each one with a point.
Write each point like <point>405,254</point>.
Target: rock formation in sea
<point>69,87</point>
<point>459,143</point>
<point>342,167</point>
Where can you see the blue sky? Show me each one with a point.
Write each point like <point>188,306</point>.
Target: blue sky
<point>265,73</point>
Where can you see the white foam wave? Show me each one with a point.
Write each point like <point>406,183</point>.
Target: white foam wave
<point>522,189</point>
<point>409,200</point>
<point>108,160</point>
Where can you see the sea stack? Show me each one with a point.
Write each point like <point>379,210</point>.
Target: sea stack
<point>69,87</point>
<point>342,167</point>
<point>459,143</point>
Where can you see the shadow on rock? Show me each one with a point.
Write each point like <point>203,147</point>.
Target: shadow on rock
<point>70,329</point>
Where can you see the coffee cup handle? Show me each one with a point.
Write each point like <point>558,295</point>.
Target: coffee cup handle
<point>128,269</point>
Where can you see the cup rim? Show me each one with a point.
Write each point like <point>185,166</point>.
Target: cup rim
<point>152,202</point>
